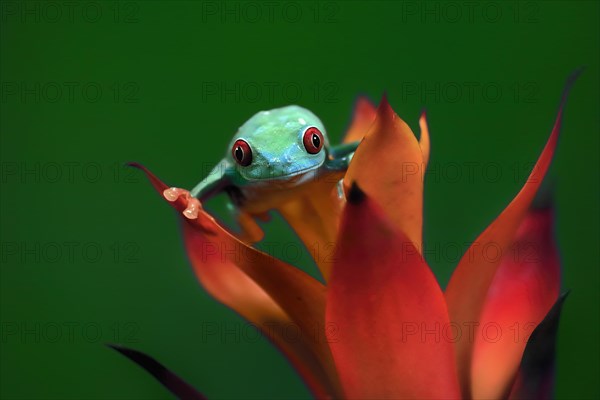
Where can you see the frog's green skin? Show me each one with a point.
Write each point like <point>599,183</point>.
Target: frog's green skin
<point>279,158</point>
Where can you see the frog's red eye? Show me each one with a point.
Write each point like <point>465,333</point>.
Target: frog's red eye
<point>241,152</point>
<point>313,140</point>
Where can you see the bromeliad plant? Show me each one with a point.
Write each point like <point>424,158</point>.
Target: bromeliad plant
<point>397,334</point>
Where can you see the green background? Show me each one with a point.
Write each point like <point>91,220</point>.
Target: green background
<point>175,80</point>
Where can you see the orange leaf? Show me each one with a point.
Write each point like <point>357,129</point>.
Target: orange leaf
<point>314,216</point>
<point>364,115</point>
<point>388,166</point>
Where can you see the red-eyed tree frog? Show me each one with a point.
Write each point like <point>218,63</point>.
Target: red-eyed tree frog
<point>271,156</point>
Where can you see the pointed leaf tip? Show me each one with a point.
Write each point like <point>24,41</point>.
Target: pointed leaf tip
<point>384,98</point>
<point>548,326</point>
<point>385,111</point>
<point>159,185</point>
<point>544,198</point>
<point>355,194</point>
<point>168,379</point>
<point>362,119</point>
<point>363,104</point>
<point>571,79</point>
<point>535,377</point>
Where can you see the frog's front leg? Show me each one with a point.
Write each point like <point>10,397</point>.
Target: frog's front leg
<point>341,156</point>
<point>343,150</point>
<point>215,182</point>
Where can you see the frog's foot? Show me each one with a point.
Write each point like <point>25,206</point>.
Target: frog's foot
<point>251,231</point>
<point>193,204</point>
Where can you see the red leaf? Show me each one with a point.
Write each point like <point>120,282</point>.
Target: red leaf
<point>264,290</point>
<point>524,289</point>
<point>469,285</point>
<point>382,299</point>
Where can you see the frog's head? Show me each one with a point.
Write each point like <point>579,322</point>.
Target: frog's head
<point>279,144</point>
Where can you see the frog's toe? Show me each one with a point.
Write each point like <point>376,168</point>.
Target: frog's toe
<point>193,207</point>
<point>173,193</point>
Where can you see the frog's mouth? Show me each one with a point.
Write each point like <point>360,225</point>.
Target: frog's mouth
<point>291,178</point>
<point>296,173</point>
